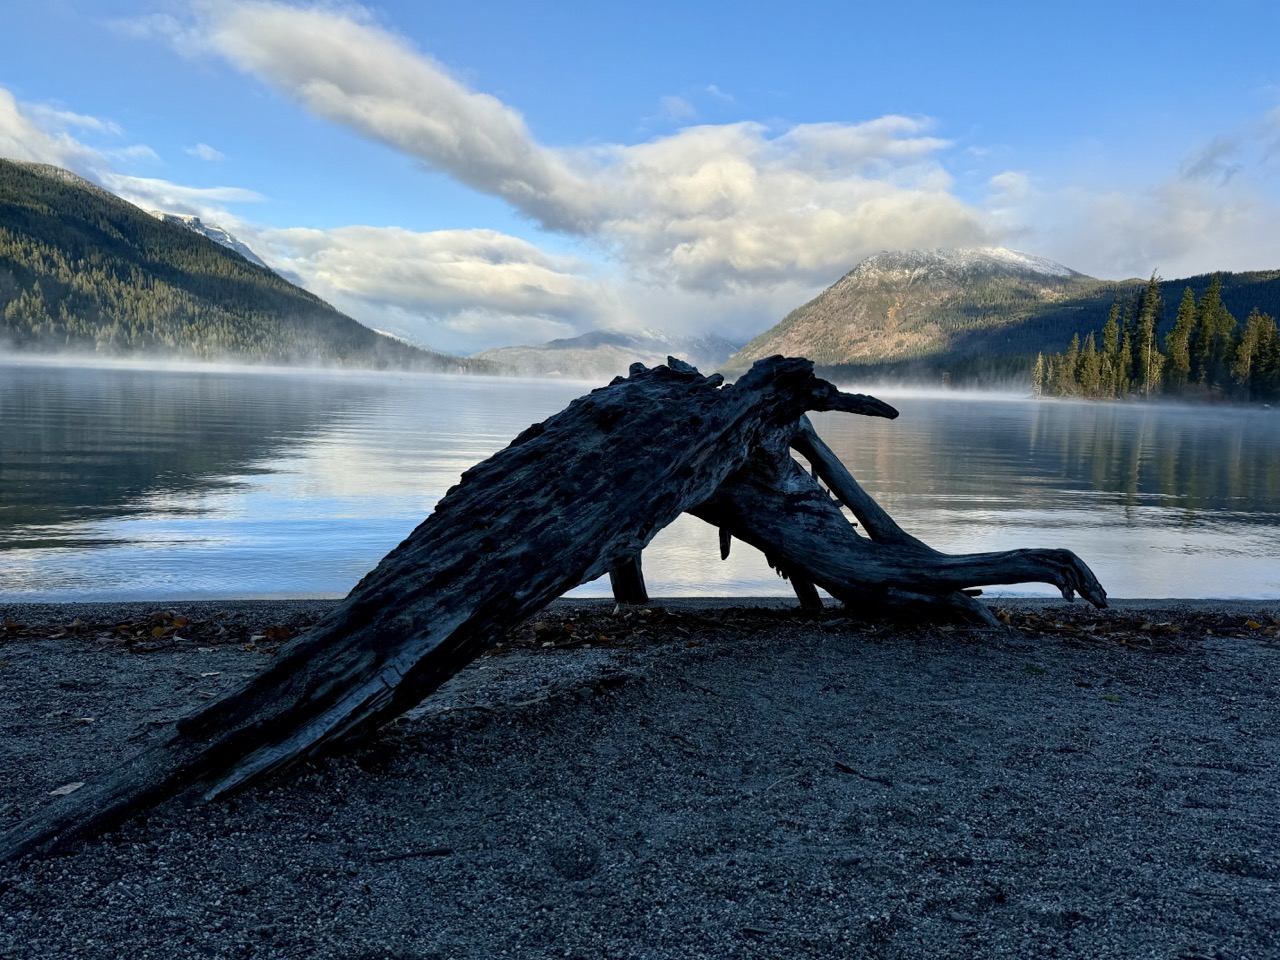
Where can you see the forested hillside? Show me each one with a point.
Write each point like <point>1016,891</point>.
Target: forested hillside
<point>969,316</point>
<point>82,270</point>
<point>1199,352</point>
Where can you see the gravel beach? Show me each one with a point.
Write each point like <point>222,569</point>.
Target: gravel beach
<point>694,779</point>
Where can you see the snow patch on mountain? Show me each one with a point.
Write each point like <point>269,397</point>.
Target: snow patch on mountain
<point>213,231</point>
<point>51,172</point>
<point>962,260</point>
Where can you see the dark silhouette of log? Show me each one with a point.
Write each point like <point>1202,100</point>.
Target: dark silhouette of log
<point>627,581</point>
<point>570,499</point>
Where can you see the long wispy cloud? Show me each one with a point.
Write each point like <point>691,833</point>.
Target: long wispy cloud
<point>727,208</point>
<point>711,208</point>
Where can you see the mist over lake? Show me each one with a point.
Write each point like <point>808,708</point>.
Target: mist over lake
<point>120,483</point>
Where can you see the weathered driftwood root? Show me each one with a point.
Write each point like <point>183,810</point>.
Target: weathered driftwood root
<point>774,505</point>
<point>569,500</point>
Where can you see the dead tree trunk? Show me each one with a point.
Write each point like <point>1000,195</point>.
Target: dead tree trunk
<point>570,499</point>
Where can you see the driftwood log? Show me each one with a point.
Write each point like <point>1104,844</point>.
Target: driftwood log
<point>571,499</point>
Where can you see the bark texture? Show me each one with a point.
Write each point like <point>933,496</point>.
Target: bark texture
<point>571,499</point>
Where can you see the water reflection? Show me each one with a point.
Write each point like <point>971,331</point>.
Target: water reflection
<point>118,483</point>
<point>962,451</point>
<point>1161,500</point>
<point>79,444</point>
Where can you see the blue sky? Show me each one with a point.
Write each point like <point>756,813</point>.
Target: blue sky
<point>495,172</point>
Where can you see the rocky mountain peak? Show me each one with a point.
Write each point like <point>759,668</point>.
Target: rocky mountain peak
<point>216,233</point>
<point>959,263</point>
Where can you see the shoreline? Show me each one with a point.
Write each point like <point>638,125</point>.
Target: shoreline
<point>101,608</point>
<point>707,778</point>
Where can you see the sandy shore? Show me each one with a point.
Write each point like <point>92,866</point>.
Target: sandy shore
<point>702,780</point>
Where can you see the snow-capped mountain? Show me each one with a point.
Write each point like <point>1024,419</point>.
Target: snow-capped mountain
<point>906,306</point>
<point>213,232</point>
<point>960,262</point>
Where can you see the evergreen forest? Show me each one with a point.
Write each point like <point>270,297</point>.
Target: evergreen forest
<point>83,271</point>
<point>1206,353</point>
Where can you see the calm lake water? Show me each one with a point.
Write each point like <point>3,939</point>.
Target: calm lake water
<point>133,484</point>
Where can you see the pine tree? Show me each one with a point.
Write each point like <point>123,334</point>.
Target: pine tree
<point>1124,366</point>
<point>1177,344</point>
<point>1253,353</point>
<point>1211,342</point>
<point>1068,384</point>
<point>1150,360</point>
<point>1089,368</point>
<point>1111,351</point>
<point>1037,376</point>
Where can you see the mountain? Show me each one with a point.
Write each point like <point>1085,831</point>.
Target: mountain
<point>602,354</point>
<point>214,232</point>
<point>82,270</point>
<point>966,315</point>
<point>908,308</point>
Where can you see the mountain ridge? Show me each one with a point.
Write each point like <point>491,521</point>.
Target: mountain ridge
<point>214,231</point>
<point>84,270</point>
<point>601,354</point>
<point>963,314</point>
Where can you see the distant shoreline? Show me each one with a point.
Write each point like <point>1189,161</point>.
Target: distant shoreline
<point>42,608</point>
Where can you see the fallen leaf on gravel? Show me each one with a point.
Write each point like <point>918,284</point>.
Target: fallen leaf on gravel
<point>66,788</point>
<point>1253,624</point>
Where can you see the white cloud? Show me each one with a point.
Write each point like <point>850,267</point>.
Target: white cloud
<point>1215,210</point>
<point>676,108</point>
<point>343,69</point>
<point>729,207</point>
<point>184,35</point>
<point>1217,160</point>
<point>21,138</point>
<point>1009,186</point>
<point>454,289</point>
<point>137,153</point>
<point>50,117</point>
<point>154,194</point>
<point>202,151</point>
<point>715,208</point>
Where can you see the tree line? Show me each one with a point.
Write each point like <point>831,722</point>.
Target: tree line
<point>1206,354</point>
